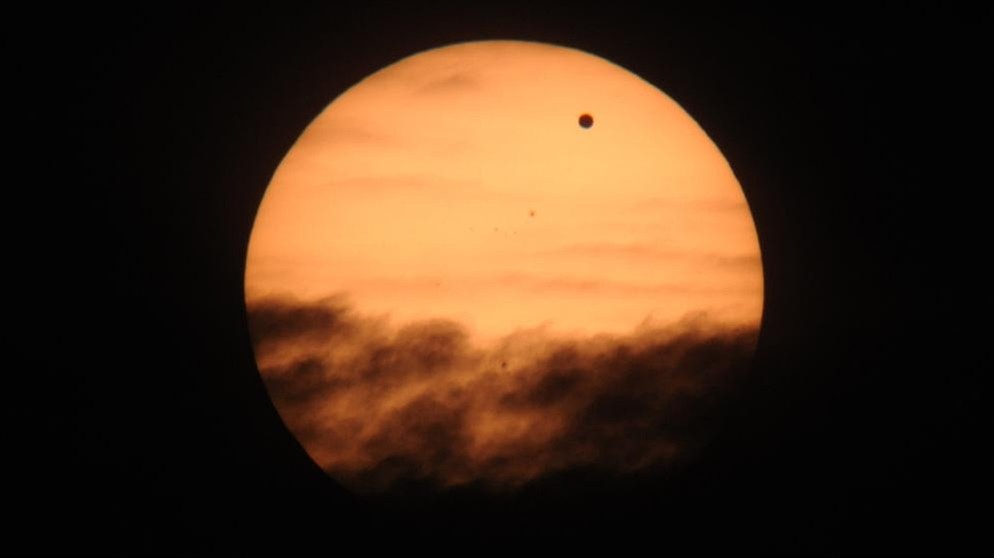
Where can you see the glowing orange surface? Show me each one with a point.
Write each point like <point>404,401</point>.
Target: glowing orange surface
<point>455,277</point>
<point>458,183</point>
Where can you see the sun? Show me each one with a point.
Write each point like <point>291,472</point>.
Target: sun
<point>455,219</point>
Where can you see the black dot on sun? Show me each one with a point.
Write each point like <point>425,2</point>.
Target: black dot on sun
<point>586,120</point>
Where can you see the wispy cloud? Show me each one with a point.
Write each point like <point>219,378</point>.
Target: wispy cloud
<point>553,284</point>
<point>410,184</point>
<point>594,285</point>
<point>342,131</point>
<point>635,251</point>
<point>703,204</point>
<point>379,406</point>
<point>458,82</point>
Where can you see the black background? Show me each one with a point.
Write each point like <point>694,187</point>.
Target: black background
<point>138,422</point>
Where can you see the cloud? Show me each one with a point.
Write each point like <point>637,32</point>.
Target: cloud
<point>457,82</point>
<point>345,131</point>
<point>379,407</point>
<point>595,286</point>
<point>649,252</point>
<point>376,185</point>
<point>705,204</point>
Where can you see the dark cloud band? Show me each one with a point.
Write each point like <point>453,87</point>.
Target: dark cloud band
<point>380,406</point>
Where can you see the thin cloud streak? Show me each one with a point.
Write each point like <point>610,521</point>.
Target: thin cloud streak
<point>649,252</point>
<point>554,285</point>
<point>456,83</point>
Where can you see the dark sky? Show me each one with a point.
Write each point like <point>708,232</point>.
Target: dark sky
<point>140,424</point>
